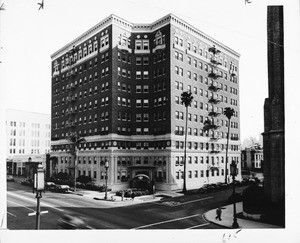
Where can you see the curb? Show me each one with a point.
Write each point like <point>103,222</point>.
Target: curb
<point>221,225</point>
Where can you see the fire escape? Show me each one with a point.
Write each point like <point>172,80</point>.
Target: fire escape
<point>211,125</point>
<point>71,98</point>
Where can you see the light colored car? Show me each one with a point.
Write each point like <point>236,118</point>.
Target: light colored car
<point>62,188</point>
<point>10,178</point>
<point>50,186</point>
<point>68,221</point>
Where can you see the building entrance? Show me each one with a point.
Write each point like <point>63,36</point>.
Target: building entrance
<point>141,182</point>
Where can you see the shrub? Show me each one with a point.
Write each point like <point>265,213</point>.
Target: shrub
<point>63,176</point>
<point>119,193</point>
<point>128,193</point>
<point>84,179</point>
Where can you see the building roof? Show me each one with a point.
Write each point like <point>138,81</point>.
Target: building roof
<point>168,19</point>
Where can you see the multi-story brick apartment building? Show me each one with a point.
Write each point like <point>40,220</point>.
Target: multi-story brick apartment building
<point>119,85</point>
<point>27,136</point>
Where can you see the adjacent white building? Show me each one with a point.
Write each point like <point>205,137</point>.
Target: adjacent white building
<point>28,135</point>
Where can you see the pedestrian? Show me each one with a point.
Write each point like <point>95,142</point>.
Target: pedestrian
<point>132,196</point>
<point>219,212</point>
<point>122,195</point>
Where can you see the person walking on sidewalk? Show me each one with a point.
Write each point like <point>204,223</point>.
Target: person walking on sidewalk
<point>219,212</point>
<point>132,196</point>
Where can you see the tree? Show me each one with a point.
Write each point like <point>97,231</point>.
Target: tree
<point>54,160</point>
<point>62,176</point>
<point>84,179</point>
<point>228,112</point>
<point>186,99</point>
<point>75,140</point>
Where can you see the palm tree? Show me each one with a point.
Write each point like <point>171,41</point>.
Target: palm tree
<point>228,112</point>
<point>75,140</point>
<point>186,99</point>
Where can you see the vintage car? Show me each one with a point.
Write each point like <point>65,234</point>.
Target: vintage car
<point>69,221</point>
<point>62,188</point>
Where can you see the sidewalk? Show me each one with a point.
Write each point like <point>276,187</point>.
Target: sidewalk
<point>227,218</point>
<point>116,201</point>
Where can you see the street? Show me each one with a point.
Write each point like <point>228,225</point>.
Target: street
<point>170,213</point>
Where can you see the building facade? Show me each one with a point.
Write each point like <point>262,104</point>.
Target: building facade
<point>119,86</point>
<point>252,161</point>
<point>28,135</point>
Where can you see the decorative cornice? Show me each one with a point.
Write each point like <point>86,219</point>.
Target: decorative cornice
<point>168,19</point>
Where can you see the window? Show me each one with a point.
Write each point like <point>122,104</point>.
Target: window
<point>189,74</point>
<point>195,77</point>
<point>146,103</point>
<point>138,117</point>
<point>138,89</point>
<point>104,41</point>
<point>146,60</point>
<point>138,74</point>
<point>142,45</point>
<point>138,60</point>
<point>138,103</point>
<point>145,74</point>
<point>146,44</point>
<point>145,117</point>
<point>145,88</point>
<point>189,60</point>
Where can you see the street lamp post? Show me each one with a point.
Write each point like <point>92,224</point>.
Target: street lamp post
<point>106,168</point>
<point>233,172</point>
<point>39,186</point>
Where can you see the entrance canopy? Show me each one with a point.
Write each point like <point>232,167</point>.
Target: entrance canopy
<point>142,177</point>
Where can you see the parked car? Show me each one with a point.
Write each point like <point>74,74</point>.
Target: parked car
<point>221,185</point>
<point>68,221</point>
<point>207,188</point>
<point>62,188</point>
<point>211,187</point>
<point>50,186</point>
<point>10,178</point>
<point>202,190</point>
<point>27,182</point>
<point>245,181</point>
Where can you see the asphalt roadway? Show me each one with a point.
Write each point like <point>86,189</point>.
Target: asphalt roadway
<point>185,212</point>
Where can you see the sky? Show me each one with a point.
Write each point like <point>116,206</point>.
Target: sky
<point>29,36</point>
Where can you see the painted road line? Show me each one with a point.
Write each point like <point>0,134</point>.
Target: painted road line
<point>201,199</point>
<point>196,226</point>
<point>41,213</point>
<point>176,203</point>
<point>11,214</point>
<point>21,205</point>
<point>167,221</point>
<point>32,200</point>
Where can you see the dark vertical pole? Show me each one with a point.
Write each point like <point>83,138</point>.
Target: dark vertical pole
<point>38,209</point>
<point>105,183</point>
<point>184,165</point>
<point>226,160</point>
<point>235,224</point>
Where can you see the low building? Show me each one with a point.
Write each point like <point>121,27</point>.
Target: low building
<point>28,140</point>
<point>252,161</point>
